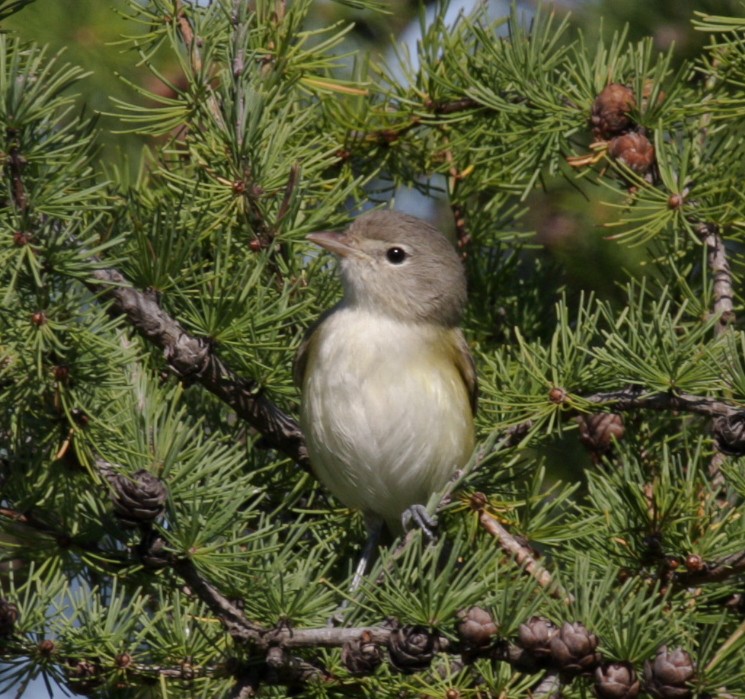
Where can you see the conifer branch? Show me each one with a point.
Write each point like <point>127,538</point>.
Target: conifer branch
<point>16,165</point>
<point>386,137</point>
<point>245,631</point>
<point>717,260</point>
<point>635,398</point>
<point>721,274</point>
<point>522,554</point>
<point>453,107</point>
<point>716,571</point>
<point>188,37</point>
<point>548,688</point>
<point>192,43</point>
<point>194,359</point>
<point>246,685</point>
<point>245,186</point>
<point>461,227</point>
<point>723,308</point>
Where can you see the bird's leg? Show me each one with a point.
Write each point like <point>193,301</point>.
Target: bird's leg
<point>374,527</point>
<point>417,516</point>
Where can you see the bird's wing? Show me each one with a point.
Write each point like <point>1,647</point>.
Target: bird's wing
<point>303,352</point>
<point>466,368</point>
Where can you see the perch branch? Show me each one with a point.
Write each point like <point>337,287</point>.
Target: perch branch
<point>721,276</point>
<point>548,688</point>
<point>636,399</point>
<point>193,358</point>
<point>716,571</point>
<point>723,307</point>
<point>522,555</point>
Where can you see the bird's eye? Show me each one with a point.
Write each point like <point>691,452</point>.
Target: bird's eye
<point>396,255</point>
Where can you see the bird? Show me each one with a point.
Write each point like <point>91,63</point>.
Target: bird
<point>387,382</point>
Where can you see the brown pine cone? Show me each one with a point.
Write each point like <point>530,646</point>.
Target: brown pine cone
<point>153,551</point>
<point>361,656</point>
<point>476,629</point>
<point>597,431</point>
<point>411,648</point>
<point>610,111</point>
<point>535,636</point>
<point>139,499</point>
<point>633,150</point>
<point>84,677</point>
<point>729,433</point>
<point>668,675</point>
<point>8,617</point>
<point>573,649</point>
<point>616,681</point>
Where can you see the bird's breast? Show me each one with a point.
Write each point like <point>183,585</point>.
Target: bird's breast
<point>385,410</point>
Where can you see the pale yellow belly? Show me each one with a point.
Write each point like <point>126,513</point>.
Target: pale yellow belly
<point>385,412</point>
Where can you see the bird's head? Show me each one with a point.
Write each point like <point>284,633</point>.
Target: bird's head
<point>400,266</point>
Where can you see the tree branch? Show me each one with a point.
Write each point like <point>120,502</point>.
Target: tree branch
<point>548,688</point>
<point>635,398</point>
<point>723,307</point>
<point>522,554</point>
<point>193,358</point>
<point>16,165</point>
<point>244,630</point>
<point>460,105</point>
<point>246,686</point>
<point>716,571</point>
<point>721,274</point>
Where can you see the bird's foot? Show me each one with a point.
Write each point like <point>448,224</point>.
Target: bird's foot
<point>337,618</point>
<point>417,516</point>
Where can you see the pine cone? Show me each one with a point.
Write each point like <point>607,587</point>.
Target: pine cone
<point>361,656</point>
<point>8,617</point>
<point>610,111</point>
<point>729,432</point>
<point>475,629</point>
<point>634,150</point>
<point>153,551</point>
<point>139,499</point>
<point>84,677</point>
<point>573,649</point>
<point>535,636</point>
<point>668,675</point>
<point>411,648</point>
<point>616,681</point>
<point>597,431</point>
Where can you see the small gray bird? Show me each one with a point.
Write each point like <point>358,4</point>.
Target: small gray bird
<point>388,384</point>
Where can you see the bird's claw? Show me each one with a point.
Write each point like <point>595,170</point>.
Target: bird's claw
<point>417,516</point>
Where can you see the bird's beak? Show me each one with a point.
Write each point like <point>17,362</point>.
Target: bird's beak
<point>338,243</point>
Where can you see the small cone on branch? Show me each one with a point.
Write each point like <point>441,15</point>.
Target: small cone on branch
<point>729,433</point>
<point>573,649</point>
<point>610,111</point>
<point>84,677</point>
<point>138,499</point>
<point>153,551</point>
<point>411,648</point>
<point>633,150</point>
<point>476,629</point>
<point>535,636</point>
<point>669,674</point>
<point>598,431</point>
<point>616,681</point>
<point>361,656</point>
<point>8,617</point>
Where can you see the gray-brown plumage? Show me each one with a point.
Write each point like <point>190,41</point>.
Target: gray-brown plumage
<point>388,384</point>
